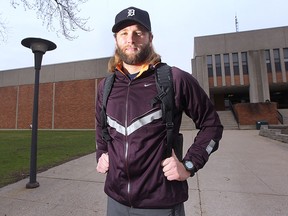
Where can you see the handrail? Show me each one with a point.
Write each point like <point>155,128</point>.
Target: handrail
<point>280,117</point>
<point>233,111</point>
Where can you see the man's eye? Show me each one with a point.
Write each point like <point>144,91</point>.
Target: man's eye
<point>139,33</point>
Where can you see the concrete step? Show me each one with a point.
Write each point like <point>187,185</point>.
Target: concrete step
<point>228,120</point>
<point>226,117</point>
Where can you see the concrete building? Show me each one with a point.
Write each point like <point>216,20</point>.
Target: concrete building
<point>242,71</point>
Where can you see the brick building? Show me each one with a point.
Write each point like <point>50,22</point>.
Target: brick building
<point>67,95</point>
<point>240,72</point>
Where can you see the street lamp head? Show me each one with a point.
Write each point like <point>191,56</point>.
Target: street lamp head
<point>38,44</point>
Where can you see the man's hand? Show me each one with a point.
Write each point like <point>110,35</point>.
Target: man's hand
<point>103,163</point>
<point>174,170</point>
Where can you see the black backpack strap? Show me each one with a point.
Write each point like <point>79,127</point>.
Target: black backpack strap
<point>106,91</point>
<point>164,82</point>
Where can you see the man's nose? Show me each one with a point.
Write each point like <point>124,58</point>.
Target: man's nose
<point>131,38</point>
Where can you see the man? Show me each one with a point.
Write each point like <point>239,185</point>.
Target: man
<point>139,181</point>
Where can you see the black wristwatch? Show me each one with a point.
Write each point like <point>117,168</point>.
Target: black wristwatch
<point>189,167</point>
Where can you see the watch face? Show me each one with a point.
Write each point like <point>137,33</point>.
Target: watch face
<point>189,165</point>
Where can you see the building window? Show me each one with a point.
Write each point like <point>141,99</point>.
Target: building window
<point>277,60</point>
<point>210,66</point>
<point>218,65</point>
<point>268,61</point>
<point>244,62</point>
<point>235,63</point>
<point>285,51</point>
<point>226,64</point>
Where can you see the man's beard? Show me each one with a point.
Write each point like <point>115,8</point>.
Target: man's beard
<point>136,59</point>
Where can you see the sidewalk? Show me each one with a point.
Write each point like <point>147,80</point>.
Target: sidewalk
<point>247,176</point>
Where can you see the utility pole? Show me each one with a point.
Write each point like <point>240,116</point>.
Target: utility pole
<point>236,23</point>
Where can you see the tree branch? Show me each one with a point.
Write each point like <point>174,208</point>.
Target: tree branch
<point>65,11</point>
<point>3,29</point>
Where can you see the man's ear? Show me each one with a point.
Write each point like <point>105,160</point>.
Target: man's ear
<point>151,37</point>
<point>115,40</point>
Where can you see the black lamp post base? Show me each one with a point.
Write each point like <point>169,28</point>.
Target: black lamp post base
<point>31,185</point>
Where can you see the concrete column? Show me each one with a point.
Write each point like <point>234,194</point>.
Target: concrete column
<point>214,71</point>
<point>284,78</point>
<point>273,66</point>
<point>240,68</point>
<point>223,70</point>
<point>198,70</point>
<point>205,78</point>
<point>202,72</point>
<point>231,69</point>
<point>264,76</point>
<point>259,86</point>
<point>193,66</point>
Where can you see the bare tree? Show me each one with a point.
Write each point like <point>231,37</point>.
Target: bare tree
<point>3,29</point>
<point>63,11</point>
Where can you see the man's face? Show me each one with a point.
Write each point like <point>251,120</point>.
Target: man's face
<point>133,44</point>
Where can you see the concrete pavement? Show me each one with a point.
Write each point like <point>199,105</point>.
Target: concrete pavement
<point>248,175</point>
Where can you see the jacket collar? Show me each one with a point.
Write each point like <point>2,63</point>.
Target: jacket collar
<point>144,68</point>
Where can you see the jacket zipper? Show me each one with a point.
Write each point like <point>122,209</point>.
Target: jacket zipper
<point>127,145</point>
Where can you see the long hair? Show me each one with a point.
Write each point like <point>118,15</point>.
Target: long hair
<point>114,61</point>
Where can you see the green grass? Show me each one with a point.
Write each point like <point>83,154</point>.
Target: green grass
<point>53,148</point>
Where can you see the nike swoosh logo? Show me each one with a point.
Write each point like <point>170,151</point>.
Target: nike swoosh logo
<point>148,84</point>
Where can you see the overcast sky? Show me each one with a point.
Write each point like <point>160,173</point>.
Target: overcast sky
<point>174,25</point>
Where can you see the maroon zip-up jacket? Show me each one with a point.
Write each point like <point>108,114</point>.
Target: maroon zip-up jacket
<point>135,177</point>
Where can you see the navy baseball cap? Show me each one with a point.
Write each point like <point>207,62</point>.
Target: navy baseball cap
<point>129,16</point>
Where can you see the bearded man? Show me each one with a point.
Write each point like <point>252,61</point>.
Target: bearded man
<point>139,181</point>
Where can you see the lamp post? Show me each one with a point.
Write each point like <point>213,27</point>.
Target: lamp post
<point>38,46</point>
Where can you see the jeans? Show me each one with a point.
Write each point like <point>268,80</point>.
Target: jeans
<point>117,209</point>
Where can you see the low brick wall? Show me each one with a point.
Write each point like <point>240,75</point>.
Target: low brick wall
<point>250,113</point>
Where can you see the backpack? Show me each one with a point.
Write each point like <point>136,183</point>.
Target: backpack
<point>165,96</point>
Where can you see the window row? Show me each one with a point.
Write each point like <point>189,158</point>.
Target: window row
<point>227,64</point>
<point>234,61</point>
<point>275,54</point>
